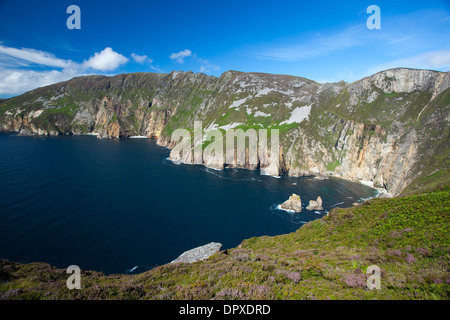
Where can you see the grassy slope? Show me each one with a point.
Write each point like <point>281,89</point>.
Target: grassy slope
<point>327,258</point>
<point>434,167</point>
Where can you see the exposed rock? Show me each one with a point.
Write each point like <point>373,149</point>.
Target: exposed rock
<point>199,253</point>
<point>294,203</point>
<point>360,131</point>
<point>315,205</point>
<point>111,131</point>
<point>154,123</point>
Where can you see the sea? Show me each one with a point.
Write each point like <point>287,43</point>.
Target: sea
<point>121,206</point>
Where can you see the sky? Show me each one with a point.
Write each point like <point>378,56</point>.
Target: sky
<point>326,41</point>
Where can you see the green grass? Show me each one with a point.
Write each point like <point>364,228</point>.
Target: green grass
<point>114,118</point>
<point>407,237</point>
<point>331,166</point>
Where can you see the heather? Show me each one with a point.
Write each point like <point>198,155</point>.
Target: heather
<point>406,236</point>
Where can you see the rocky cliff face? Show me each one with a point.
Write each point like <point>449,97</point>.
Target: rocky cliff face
<point>387,129</point>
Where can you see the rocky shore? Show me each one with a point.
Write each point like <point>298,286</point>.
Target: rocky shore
<point>385,129</point>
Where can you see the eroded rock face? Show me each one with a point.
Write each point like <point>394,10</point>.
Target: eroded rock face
<point>380,129</point>
<point>315,205</point>
<point>112,131</point>
<point>199,253</point>
<point>294,203</point>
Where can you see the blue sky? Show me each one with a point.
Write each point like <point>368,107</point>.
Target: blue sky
<point>325,41</point>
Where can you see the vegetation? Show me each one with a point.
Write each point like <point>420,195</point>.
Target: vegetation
<point>406,236</point>
<point>331,166</point>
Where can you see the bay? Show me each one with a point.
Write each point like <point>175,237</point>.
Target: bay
<point>121,205</point>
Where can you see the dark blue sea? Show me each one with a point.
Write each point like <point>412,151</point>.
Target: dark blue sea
<point>111,205</point>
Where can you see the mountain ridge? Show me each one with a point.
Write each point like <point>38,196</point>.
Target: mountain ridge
<point>376,130</point>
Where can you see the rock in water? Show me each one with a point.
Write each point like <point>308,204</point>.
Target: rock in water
<point>315,205</point>
<point>199,253</point>
<point>294,203</point>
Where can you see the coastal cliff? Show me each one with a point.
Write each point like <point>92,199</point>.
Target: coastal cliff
<point>387,130</point>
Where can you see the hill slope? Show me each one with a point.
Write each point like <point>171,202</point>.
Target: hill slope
<point>388,129</point>
<point>407,237</point>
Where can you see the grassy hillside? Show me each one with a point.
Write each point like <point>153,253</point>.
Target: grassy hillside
<point>406,236</point>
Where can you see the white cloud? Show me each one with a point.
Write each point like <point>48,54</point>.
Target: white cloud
<point>432,60</point>
<point>17,81</point>
<point>180,56</point>
<point>18,72</point>
<point>315,46</point>
<point>141,59</point>
<point>106,60</point>
<point>16,75</point>
<point>400,35</point>
<point>207,67</point>
<point>23,56</point>
<point>157,69</point>
<point>436,60</point>
<point>344,74</point>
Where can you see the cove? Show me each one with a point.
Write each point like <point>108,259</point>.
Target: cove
<point>120,205</point>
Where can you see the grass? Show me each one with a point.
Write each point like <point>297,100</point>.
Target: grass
<point>331,166</point>
<point>406,236</point>
<point>114,118</point>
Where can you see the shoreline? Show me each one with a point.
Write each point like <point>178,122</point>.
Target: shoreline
<point>379,192</point>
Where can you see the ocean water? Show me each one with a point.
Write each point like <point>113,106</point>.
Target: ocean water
<point>116,206</point>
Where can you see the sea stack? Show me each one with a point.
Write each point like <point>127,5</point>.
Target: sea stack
<point>294,203</point>
<point>315,205</point>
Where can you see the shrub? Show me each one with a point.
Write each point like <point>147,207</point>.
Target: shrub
<point>355,280</point>
<point>410,258</point>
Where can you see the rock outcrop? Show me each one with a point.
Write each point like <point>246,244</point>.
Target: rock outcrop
<point>387,129</point>
<point>199,253</point>
<point>315,205</point>
<point>294,203</point>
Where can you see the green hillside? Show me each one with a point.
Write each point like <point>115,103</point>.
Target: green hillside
<point>406,236</point>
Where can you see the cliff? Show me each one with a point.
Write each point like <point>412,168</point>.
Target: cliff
<point>389,130</point>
